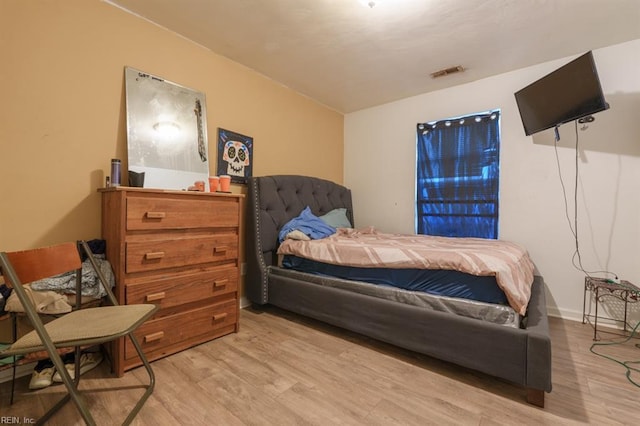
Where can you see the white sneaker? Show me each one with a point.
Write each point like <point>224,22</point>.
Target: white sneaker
<point>88,361</point>
<point>41,379</point>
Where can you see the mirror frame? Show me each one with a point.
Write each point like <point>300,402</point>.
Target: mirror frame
<point>166,131</point>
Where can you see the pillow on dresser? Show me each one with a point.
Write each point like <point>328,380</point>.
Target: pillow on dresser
<point>337,218</point>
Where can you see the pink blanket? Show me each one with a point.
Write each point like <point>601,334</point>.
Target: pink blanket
<point>367,248</point>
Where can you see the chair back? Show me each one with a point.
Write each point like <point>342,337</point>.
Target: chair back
<point>26,266</point>
<point>36,264</point>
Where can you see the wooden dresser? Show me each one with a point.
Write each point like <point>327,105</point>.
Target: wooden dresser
<point>179,250</point>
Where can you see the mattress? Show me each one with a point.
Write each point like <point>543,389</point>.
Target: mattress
<point>500,314</point>
<point>437,282</point>
<point>366,247</point>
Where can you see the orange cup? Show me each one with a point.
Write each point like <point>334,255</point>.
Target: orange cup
<point>225,183</point>
<point>213,183</point>
<point>199,184</point>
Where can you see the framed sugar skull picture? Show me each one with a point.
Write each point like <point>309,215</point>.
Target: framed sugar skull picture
<point>235,155</point>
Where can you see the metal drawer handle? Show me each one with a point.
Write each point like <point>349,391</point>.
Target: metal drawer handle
<point>218,317</point>
<point>153,337</point>
<point>156,215</point>
<point>221,249</point>
<point>154,255</point>
<point>220,283</point>
<point>156,296</point>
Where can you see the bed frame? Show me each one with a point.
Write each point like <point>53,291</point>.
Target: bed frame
<point>521,356</point>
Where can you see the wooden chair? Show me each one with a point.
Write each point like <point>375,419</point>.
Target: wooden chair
<point>77,329</point>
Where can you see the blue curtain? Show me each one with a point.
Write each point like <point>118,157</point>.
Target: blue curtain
<point>458,176</point>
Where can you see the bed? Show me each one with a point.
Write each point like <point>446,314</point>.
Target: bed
<point>521,355</point>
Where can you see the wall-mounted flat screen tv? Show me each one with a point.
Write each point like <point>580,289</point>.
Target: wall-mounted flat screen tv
<point>571,92</point>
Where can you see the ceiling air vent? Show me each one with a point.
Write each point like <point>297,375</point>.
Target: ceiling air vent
<point>447,71</point>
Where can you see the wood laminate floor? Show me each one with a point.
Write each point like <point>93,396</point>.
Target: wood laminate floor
<point>282,369</point>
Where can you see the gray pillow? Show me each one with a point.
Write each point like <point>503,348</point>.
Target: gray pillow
<point>337,218</point>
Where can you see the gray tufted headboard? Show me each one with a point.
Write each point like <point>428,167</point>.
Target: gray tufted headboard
<point>273,201</point>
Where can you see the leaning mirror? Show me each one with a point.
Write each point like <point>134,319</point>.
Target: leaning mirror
<point>166,132</point>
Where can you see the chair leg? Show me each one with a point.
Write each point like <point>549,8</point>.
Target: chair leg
<point>14,335</point>
<point>43,420</point>
<point>75,395</point>
<point>13,378</point>
<point>152,380</point>
<point>73,392</point>
<point>76,363</point>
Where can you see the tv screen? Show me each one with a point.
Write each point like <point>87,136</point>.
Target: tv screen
<point>571,92</point>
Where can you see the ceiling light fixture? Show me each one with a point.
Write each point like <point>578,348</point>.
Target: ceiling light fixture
<point>370,3</point>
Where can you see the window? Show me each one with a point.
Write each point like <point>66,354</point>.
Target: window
<point>457,176</point>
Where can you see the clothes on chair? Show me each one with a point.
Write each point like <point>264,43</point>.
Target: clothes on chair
<point>98,247</point>
<point>5,292</point>
<point>91,285</point>
<point>45,302</point>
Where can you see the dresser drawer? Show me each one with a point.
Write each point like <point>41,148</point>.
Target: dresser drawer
<point>162,336</point>
<point>189,211</point>
<point>170,291</point>
<point>185,251</point>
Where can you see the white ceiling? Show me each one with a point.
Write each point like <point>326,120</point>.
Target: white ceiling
<point>348,56</point>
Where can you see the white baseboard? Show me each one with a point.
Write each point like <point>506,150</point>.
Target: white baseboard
<point>244,302</point>
<point>577,316</point>
<point>564,314</point>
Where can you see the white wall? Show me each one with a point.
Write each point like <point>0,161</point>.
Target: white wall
<point>380,170</point>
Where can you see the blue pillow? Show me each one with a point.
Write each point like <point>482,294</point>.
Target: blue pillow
<point>307,223</point>
<point>337,218</point>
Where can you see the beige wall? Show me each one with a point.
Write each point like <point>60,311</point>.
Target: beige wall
<point>62,112</point>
